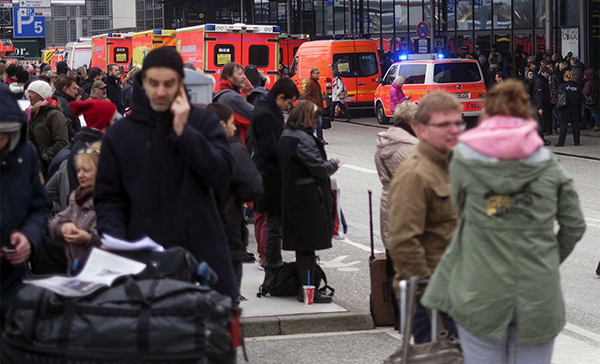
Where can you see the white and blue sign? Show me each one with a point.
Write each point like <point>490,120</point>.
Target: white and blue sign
<point>26,24</point>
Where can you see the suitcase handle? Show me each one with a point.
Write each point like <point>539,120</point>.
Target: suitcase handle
<point>371,227</point>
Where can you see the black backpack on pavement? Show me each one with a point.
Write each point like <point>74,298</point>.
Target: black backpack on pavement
<point>284,282</point>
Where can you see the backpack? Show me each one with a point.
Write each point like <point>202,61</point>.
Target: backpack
<point>561,98</point>
<point>284,282</point>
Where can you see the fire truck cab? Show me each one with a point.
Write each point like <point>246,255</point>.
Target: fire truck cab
<point>144,42</point>
<point>211,46</point>
<point>111,48</point>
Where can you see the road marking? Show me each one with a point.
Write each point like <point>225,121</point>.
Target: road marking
<point>583,332</point>
<point>598,226</point>
<point>595,220</point>
<point>338,263</point>
<point>360,169</point>
<point>358,245</point>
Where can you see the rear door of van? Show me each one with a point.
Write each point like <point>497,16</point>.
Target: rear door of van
<point>367,71</point>
<point>344,61</point>
<point>222,48</point>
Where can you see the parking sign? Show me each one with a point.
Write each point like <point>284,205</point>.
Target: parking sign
<point>26,24</point>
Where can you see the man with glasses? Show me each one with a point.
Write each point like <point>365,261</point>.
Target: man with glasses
<point>312,92</point>
<point>422,219</point>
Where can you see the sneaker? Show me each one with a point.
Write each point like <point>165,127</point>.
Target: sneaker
<point>547,142</point>
<point>261,266</point>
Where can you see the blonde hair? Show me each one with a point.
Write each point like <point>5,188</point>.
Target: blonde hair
<point>405,112</point>
<point>131,74</point>
<point>399,81</point>
<point>437,101</point>
<point>90,154</point>
<point>509,98</point>
<point>569,76</point>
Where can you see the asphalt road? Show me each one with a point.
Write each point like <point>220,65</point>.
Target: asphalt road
<point>346,264</point>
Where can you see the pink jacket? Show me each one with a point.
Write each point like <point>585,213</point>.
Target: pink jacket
<point>504,137</point>
<point>396,97</point>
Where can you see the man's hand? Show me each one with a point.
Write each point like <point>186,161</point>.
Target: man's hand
<point>541,111</point>
<point>336,161</point>
<point>67,228</point>
<point>22,248</point>
<point>77,237</point>
<point>180,108</point>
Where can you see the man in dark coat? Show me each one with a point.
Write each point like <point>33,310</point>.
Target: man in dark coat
<point>25,207</point>
<point>66,91</point>
<point>114,85</point>
<point>245,185</point>
<point>159,167</point>
<point>94,74</point>
<point>265,130</point>
<point>542,102</point>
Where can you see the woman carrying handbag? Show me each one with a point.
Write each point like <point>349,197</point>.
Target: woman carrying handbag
<point>338,97</point>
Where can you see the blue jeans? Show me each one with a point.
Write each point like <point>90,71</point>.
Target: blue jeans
<point>508,351</point>
<point>421,325</point>
<point>596,117</point>
<point>320,128</point>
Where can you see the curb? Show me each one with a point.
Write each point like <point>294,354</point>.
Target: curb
<point>307,324</point>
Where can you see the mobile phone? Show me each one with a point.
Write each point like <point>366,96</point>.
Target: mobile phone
<point>9,250</point>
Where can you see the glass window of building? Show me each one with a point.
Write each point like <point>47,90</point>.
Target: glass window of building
<point>415,15</point>
<point>523,14</point>
<point>502,42</point>
<point>387,16</point>
<point>427,12</point>
<point>568,12</point>
<point>540,13</point>
<point>523,42</point>
<point>100,7</point>
<point>339,17</point>
<point>465,45</point>
<point>374,19</point>
<point>483,15</point>
<point>401,16</point>
<point>502,12</point>
<point>464,15</point>
<point>448,14</point>
<point>483,43</point>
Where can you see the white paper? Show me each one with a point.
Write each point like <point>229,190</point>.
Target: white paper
<point>101,270</point>
<point>143,244</point>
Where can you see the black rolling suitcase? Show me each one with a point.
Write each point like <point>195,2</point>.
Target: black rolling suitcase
<point>381,300</point>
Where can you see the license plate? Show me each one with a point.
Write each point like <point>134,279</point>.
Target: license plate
<point>463,95</point>
<point>349,99</point>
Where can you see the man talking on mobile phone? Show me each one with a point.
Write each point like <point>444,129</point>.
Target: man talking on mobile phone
<point>159,166</point>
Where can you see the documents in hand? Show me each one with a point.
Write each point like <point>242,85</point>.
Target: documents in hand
<point>143,244</point>
<point>101,270</point>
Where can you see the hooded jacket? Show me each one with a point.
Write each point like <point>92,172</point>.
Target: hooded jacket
<point>504,257</point>
<point>393,147</point>
<point>153,183</point>
<point>242,110</point>
<point>24,205</point>
<point>73,125</point>
<point>48,132</point>
<point>590,90</point>
<point>397,96</point>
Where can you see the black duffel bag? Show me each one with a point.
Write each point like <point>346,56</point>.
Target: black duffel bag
<point>146,321</point>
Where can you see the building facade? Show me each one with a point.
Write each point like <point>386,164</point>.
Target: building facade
<point>149,14</point>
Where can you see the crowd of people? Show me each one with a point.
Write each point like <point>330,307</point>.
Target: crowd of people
<point>148,163</point>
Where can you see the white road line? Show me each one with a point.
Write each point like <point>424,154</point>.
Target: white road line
<point>360,169</point>
<point>358,245</point>
<point>595,220</point>
<point>598,226</point>
<point>583,332</point>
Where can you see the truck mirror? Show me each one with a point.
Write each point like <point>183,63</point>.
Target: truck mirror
<point>379,79</point>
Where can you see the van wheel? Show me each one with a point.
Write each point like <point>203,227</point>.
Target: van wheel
<point>381,118</point>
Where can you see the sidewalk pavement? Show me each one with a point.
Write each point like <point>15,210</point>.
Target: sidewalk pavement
<point>268,316</point>
<point>589,148</point>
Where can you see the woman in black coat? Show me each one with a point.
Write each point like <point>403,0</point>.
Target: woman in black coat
<point>306,194</point>
<point>569,113</point>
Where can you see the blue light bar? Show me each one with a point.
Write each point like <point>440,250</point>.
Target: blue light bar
<point>440,56</point>
<point>403,57</point>
<point>209,27</point>
<point>157,32</point>
<point>276,28</point>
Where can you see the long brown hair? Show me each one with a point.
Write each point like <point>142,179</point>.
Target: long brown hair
<point>509,98</point>
<point>304,116</point>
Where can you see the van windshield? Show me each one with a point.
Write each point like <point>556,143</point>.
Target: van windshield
<point>355,64</point>
<point>456,72</point>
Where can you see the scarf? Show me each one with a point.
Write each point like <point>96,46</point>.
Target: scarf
<point>83,194</point>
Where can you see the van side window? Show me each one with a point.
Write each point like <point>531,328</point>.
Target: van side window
<point>413,73</point>
<point>344,64</point>
<point>390,76</point>
<point>456,72</point>
<point>258,55</point>
<point>367,64</point>
<point>294,67</point>
<point>224,53</point>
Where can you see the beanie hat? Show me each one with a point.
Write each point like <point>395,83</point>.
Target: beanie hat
<point>164,57</point>
<point>11,70</point>
<point>93,72</point>
<point>41,88</point>
<point>22,76</point>
<point>545,70</point>
<point>97,113</point>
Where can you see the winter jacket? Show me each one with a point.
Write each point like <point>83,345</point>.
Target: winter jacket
<point>153,183</point>
<point>306,193</point>
<point>84,217</point>
<point>24,206</point>
<point>393,147</point>
<point>312,92</point>
<point>424,218</point>
<point>541,93</point>
<point>242,110</point>
<point>529,86</point>
<point>574,98</point>
<point>114,92</point>
<point>127,91</point>
<point>504,257</point>
<point>58,188</point>
<point>578,74</point>
<point>73,124</point>
<point>266,129</point>
<point>48,132</point>
<point>396,97</point>
<point>245,185</point>
<point>83,139</point>
<point>18,89</point>
<point>590,90</point>
<point>86,86</point>
<point>337,88</point>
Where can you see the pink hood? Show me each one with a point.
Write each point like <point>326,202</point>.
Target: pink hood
<point>504,137</point>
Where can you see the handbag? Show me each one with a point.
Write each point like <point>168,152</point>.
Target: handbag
<point>326,123</point>
<point>445,350</point>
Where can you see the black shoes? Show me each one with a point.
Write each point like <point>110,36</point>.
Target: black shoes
<point>250,258</point>
<point>547,142</point>
<point>323,141</point>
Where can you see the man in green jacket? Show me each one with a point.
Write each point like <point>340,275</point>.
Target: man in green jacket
<point>422,218</point>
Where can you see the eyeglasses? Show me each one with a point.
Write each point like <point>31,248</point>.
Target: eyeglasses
<point>449,124</point>
<point>87,151</point>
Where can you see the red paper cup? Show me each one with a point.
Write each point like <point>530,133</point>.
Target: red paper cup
<point>309,294</point>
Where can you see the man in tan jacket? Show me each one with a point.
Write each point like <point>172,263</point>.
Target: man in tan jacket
<point>312,92</point>
<point>421,216</point>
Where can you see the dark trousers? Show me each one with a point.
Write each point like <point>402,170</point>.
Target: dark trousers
<point>391,273</point>
<point>570,116</point>
<point>545,120</point>
<point>421,327</point>
<point>238,270</point>
<point>274,240</point>
<point>342,106</point>
<point>306,263</point>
